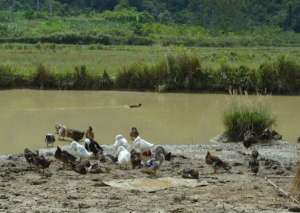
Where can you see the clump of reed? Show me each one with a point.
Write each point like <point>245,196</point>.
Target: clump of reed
<point>42,78</point>
<point>244,116</point>
<point>177,72</point>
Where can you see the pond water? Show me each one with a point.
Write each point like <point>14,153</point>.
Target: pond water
<point>27,115</point>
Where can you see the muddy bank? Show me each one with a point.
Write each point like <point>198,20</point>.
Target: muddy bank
<point>62,190</point>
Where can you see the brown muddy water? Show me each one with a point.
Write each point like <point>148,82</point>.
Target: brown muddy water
<point>27,115</point>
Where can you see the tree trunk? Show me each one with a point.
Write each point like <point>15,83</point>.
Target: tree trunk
<point>38,5</point>
<point>50,7</point>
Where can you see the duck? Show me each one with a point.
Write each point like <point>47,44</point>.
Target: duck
<point>120,140</point>
<point>216,162</point>
<point>111,158</point>
<point>167,155</point>
<point>136,159</point>
<point>50,139</point>
<point>64,156</point>
<point>135,106</point>
<point>81,167</point>
<point>123,156</point>
<point>34,159</point>
<point>79,151</point>
<point>93,146</point>
<point>30,156</point>
<point>151,167</point>
<point>140,144</point>
<point>96,168</point>
<point>253,162</point>
<point>249,139</point>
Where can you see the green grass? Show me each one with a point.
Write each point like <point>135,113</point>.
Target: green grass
<point>243,116</point>
<point>24,58</point>
<point>142,68</point>
<point>122,28</point>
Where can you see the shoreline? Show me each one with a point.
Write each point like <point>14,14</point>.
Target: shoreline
<point>62,190</point>
<point>279,150</point>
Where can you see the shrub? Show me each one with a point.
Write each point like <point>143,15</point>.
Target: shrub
<point>42,78</point>
<point>6,77</point>
<point>81,78</point>
<point>180,72</point>
<point>242,117</point>
<point>267,78</point>
<point>289,75</point>
<point>105,81</point>
<point>136,76</point>
<point>236,78</point>
<point>183,72</point>
<point>281,76</point>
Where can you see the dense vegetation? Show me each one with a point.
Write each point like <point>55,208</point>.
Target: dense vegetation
<point>146,22</point>
<point>180,72</point>
<point>243,117</point>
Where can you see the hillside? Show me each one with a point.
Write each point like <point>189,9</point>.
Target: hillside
<point>145,22</point>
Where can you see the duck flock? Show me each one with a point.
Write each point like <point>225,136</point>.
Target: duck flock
<point>141,154</point>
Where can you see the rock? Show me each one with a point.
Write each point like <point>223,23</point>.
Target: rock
<point>279,172</point>
<point>73,197</point>
<point>266,135</point>
<point>194,199</point>
<point>178,198</point>
<point>203,183</point>
<point>294,209</point>
<point>100,184</point>
<point>249,139</point>
<point>38,182</point>
<point>269,134</point>
<point>83,206</point>
<point>276,136</point>
<point>190,173</point>
<point>3,197</point>
<point>237,164</point>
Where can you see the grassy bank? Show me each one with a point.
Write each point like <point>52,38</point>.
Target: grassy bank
<point>174,72</point>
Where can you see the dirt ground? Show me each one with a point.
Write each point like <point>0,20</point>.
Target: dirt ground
<point>62,190</point>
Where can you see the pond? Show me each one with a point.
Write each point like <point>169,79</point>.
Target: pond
<point>171,118</point>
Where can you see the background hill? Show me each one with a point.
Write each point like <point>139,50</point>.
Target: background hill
<point>184,22</point>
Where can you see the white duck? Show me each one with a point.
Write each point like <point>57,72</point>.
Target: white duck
<point>120,140</point>
<point>141,145</point>
<point>79,150</point>
<point>123,156</point>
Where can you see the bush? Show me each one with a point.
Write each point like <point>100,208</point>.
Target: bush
<point>42,78</point>
<point>81,78</point>
<point>180,72</point>
<point>289,75</point>
<point>184,72</point>
<point>236,78</point>
<point>6,77</point>
<point>105,81</point>
<point>242,117</point>
<point>281,76</point>
<point>136,76</point>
